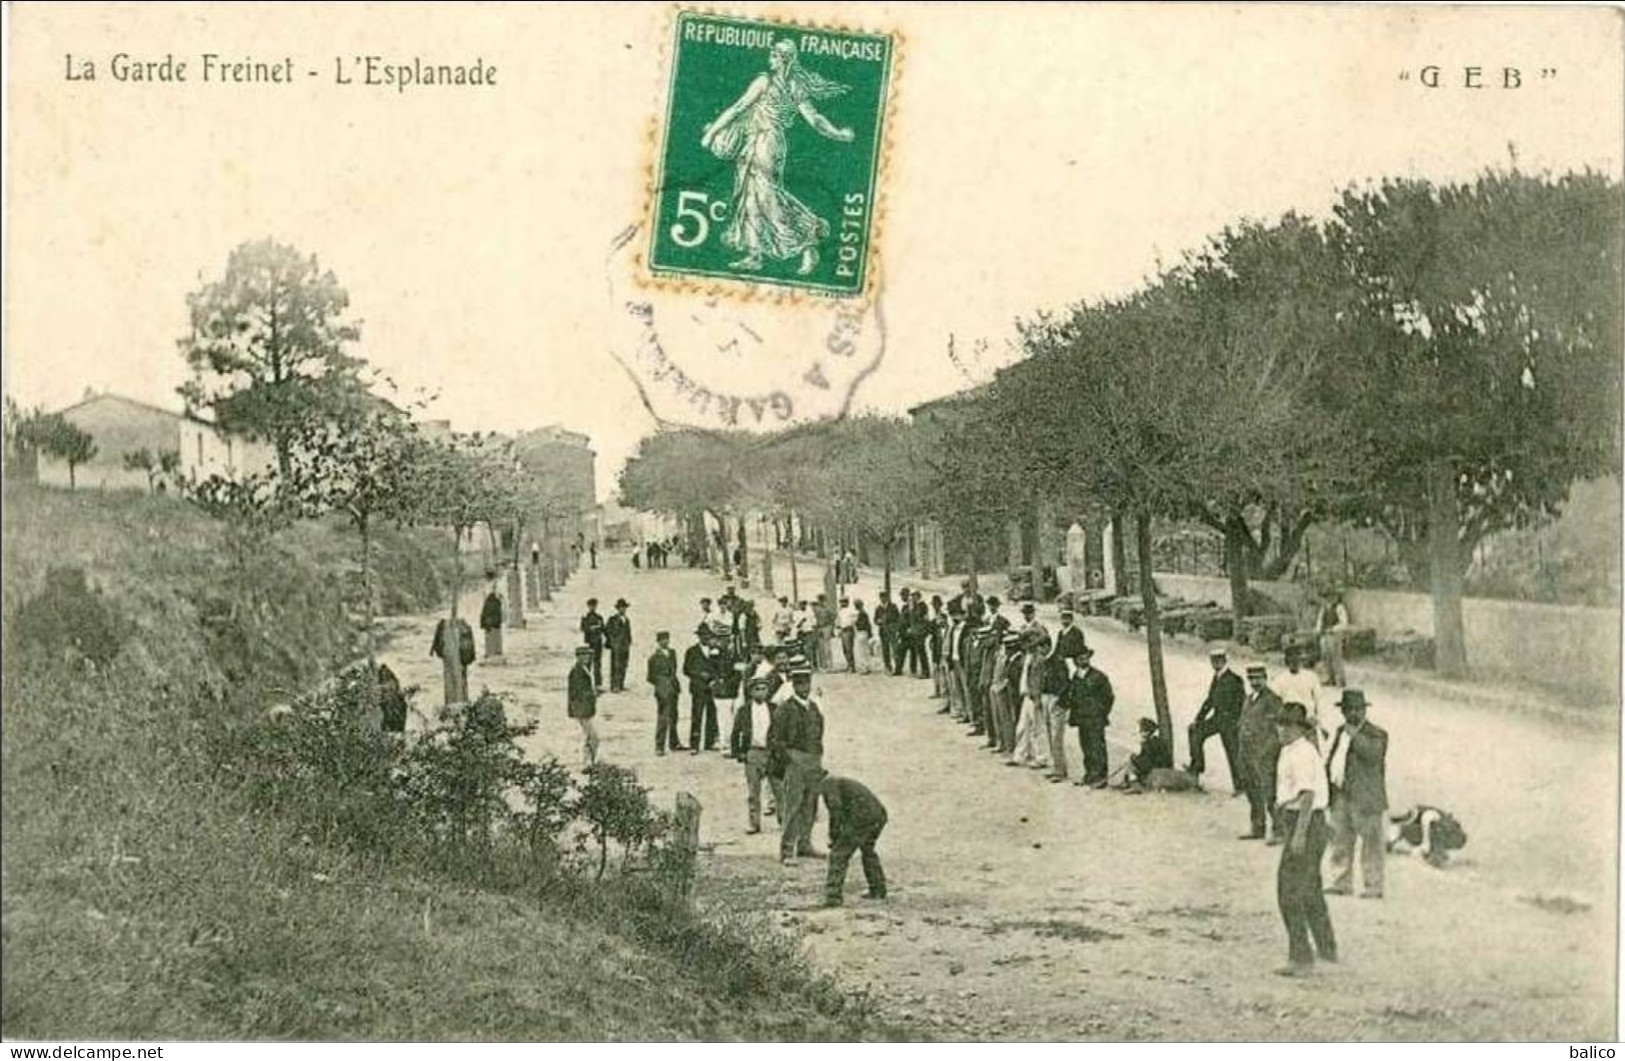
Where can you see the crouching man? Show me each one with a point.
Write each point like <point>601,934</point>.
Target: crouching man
<point>856,819</point>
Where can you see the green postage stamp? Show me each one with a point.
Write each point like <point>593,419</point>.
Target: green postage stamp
<point>770,154</point>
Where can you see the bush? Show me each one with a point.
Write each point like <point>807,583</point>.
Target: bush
<point>616,808</point>
<point>67,620</point>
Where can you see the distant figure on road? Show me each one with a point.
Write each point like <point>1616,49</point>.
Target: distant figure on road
<point>748,740</point>
<point>846,624</point>
<point>662,675</point>
<point>592,634</point>
<point>1298,686</point>
<point>1357,766</point>
<point>1155,754</point>
<point>583,703</point>
<point>1090,709</point>
<point>618,633</point>
<point>1302,794</point>
<point>1220,713</point>
<point>1332,628</point>
<point>856,819</point>
<point>491,623</point>
<point>592,552</point>
<point>702,708</point>
<point>465,647</point>
<point>1259,747</point>
<point>796,742</point>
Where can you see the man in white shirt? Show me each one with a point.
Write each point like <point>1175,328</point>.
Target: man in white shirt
<point>1302,795</point>
<point>749,741</point>
<point>1332,628</point>
<point>784,620</point>
<point>1298,686</point>
<point>846,624</point>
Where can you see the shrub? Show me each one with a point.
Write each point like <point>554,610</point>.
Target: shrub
<point>66,619</point>
<point>616,808</point>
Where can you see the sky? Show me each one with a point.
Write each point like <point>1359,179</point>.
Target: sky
<point>1040,154</point>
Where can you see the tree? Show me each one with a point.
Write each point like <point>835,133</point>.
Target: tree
<point>1266,302</point>
<point>869,482</point>
<point>462,483</point>
<point>157,466</point>
<point>368,465</point>
<point>1482,360</point>
<point>253,509</point>
<point>55,435</point>
<point>688,472</point>
<point>267,347</point>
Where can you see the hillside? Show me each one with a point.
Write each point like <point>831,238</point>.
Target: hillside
<point>146,896</point>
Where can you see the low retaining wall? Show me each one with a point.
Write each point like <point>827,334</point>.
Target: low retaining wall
<point>1564,646</point>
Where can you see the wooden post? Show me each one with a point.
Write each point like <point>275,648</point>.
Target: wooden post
<point>686,841</point>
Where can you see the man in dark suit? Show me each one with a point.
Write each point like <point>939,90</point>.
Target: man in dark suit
<point>856,819</point>
<point>592,635</point>
<point>1090,708</point>
<point>618,632</point>
<point>582,703</point>
<point>702,707</point>
<point>886,622</point>
<point>662,674</point>
<point>1357,767</point>
<point>1259,745</point>
<point>1155,754</point>
<point>1220,713</point>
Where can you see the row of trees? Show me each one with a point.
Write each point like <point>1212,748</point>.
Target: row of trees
<point>270,348</point>
<point>1438,361</point>
<point>29,434</point>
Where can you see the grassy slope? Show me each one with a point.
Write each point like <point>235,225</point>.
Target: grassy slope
<point>140,900</point>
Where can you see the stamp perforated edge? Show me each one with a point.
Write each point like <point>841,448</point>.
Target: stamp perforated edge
<point>740,289</point>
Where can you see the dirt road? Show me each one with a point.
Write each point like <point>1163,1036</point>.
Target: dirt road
<point>1023,910</point>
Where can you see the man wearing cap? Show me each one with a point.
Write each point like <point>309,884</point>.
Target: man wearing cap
<point>1090,709</point>
<point>806,632</point>
<point>1032,723</point>
<point>856,819</point>
<point>662,674</point>
<point>784,620</point>
<point>582,702</point>
<point>1155,754</point>
<point>702,708</point>
<point>1220,713</point>
<point>795,738</point>
<point>1302,794</point>
<point>618,632</point>
<point>592,634</point>
<point>752,723</point>
<point>1259,745</point>
<point>1357,767</point>
<point>1000,693</point>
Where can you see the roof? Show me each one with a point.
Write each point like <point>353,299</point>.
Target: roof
<point>110,396</point>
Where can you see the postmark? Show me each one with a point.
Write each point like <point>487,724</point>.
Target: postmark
<point>770,156</point>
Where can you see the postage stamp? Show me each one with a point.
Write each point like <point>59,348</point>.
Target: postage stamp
<point>770,154</point>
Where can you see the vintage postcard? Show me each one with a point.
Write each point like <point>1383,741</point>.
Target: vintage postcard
<point>769,521</point>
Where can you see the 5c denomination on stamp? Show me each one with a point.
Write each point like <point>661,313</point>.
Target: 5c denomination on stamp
<point>770,154</point>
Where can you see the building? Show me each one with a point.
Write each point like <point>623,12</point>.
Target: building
<point>123,426</point>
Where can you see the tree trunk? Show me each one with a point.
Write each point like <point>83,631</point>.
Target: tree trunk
<point>1237,561</point>
<point>885,554</point>
<point>744,555</point>
<point>1119,551</point>
<point>371,718</point>
<point>1153,625</point>
<point>72,483</point>
<point>451,663</point>
<point>767,557</point>
<point>544,570</point>
<point>975,562</point>
<point>1446,567</point>
<point>795,583</point>
<point>515,611</point>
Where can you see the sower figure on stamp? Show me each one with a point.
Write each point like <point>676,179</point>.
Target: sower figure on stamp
<point>1302,793</point>
<point>662,675</point>
<point>1220,713</point>
<point>856,819</point>
<point>1357,766</point>
<point>796,738</point>
<point>752,723</point>
<point>1259,748</point>
<point>767,221</point>
<point>618,632</point>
